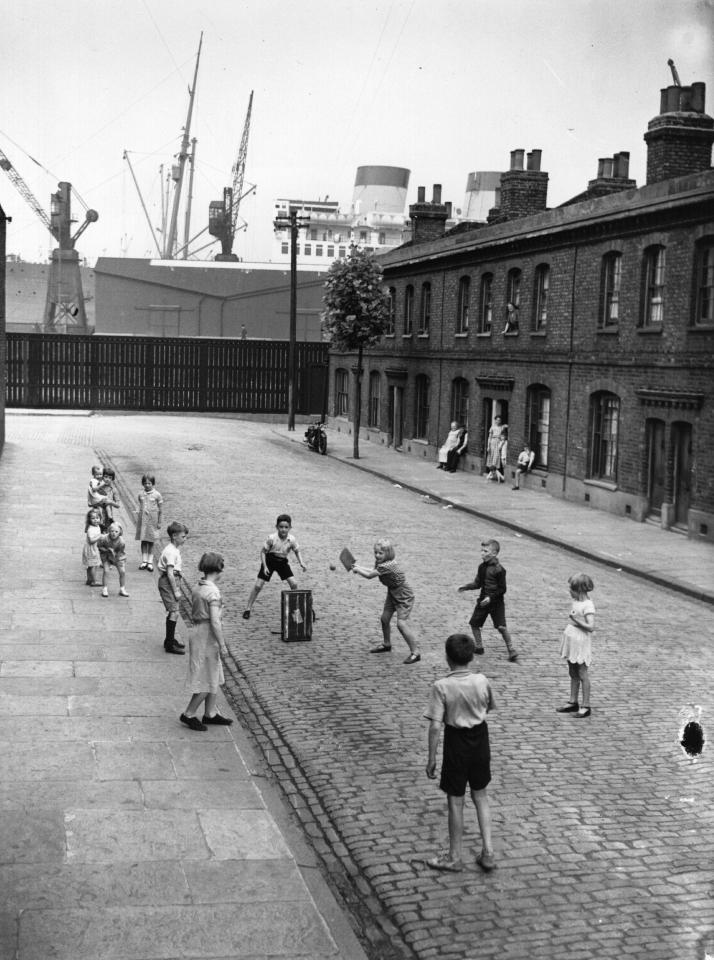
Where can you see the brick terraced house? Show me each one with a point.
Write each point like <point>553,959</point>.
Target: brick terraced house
<point>589,328</point>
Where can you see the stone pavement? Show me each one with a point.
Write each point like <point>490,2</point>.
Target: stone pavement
<point>124,835</point>
<point>642,549</point>
<point>603,828</point>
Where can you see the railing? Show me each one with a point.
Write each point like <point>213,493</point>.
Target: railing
<point>155,373</point>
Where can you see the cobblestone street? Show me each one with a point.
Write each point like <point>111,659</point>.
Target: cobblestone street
<point>603,828</point>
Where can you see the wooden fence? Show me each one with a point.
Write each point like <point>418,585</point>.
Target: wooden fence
<point>153,373</point>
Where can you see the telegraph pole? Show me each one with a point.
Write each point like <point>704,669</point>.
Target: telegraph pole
<point>294,223</point>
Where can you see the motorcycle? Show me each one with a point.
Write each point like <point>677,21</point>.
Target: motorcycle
<point>316,437</point>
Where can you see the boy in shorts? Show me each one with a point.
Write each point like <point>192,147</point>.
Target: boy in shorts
<point>170,584</point>
<point>491,581</point>
<point>459,702</point>
<point>274,559</point>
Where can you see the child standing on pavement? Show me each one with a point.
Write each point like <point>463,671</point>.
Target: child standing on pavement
<point>576,645</point>
<point>459,702</point>
<point>148,520</point>
<point>524,464</point>
<point>491,581</point>
<point>90,552</point>
<point>274,559</point>
<point>205,646</point>
<point>112,551</point>
<point>170,583</point>
<point>399,600</point>
<point>100,495</point>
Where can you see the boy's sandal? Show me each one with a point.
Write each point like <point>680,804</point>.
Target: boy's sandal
<point>380,649</point>
<point>444,862</point>
<point>413,658</point>
<point>246,614</point>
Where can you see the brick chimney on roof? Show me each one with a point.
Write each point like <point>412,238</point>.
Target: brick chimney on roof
<point>679,139</point>
<point>612,176</point>
<point>523,192</point>
<point>428,219</point>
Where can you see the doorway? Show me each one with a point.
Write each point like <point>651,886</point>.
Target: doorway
<point>492,409</point>
<point>682,471</point>
<point>656,462</point>
<point>396,416</point>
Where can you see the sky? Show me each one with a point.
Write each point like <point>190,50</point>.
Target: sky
<point>442,87</point>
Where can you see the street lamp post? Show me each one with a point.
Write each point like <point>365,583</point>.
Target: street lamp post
<point>294,223</point>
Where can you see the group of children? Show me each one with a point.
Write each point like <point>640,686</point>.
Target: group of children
<point>458,703</point>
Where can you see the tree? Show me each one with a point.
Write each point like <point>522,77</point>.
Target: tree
<point>356,313</point>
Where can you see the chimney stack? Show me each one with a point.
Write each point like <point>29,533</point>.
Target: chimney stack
<point>523,191</point>
<point>679,140</point>
<point>428,219</point>
<point>612,176</point>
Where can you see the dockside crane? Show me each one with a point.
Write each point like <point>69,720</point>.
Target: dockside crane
<point>64,305</point>
<point>223,214</point>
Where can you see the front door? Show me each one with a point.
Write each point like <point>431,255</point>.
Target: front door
<point>682,457</point>
<point>655,466</point>
<point>397,416</point>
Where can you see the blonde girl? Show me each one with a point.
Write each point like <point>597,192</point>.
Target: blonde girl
<point>90,551</point>
<point>399,600</point>
<point>576,644</point>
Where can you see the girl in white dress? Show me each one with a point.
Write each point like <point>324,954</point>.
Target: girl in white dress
<point>148,521</point>
<point>576,644</point>
<point>205,646</point>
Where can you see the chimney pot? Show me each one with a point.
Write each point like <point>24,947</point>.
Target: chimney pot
<point>672,100</point>
<point>421,194</point>
<point>436,195</point>
<point>622,164</point>
<point>534,160</point>
<point>698,91</point>
<point>600,168</point>
<point>517,159</point>
<point>607,167</point>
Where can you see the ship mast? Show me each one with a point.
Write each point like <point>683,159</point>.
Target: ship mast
<point>178,171</point>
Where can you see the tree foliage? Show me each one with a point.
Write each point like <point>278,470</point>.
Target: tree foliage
<point>356,305</point>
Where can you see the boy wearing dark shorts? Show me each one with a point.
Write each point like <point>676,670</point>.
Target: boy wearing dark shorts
<point>459,702</point>
<point>274,559</point>
<point>491,581</point>
<point>170,584</point>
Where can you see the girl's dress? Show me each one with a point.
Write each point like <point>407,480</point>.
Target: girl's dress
<point>576,645</point>
<point>90,550</point>
<point>205,670</point>
<point>493,453</point>
<point>147,523</point>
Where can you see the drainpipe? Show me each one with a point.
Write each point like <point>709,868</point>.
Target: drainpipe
<point>570,366</point>
<point>441,362</point>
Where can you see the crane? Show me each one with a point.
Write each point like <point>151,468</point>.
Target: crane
<point>64,305</point>
<point>223,214</point>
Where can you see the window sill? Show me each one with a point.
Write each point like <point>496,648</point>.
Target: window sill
<point>510,333</point>
<point>423,443</point>
<point>407,336</point>
<point>422,336</point>
<point>603,484</point>
<point>650,331</point>
<point>608,331</point>
<point>461,336</point>
<point>485,335</point>
<point>701,328</point>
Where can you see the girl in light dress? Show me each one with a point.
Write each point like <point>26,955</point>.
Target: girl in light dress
<point>493,450</point>
<point>576,644</point>
<point>90,551</point>
<point>148,521</point>
<point>206,644</point>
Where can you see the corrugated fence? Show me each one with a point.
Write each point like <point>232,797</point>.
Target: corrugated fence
<point>153,373</point>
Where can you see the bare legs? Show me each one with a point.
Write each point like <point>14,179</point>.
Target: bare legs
<point>456,823</point>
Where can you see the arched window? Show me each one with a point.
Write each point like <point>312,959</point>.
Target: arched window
<point>513,301</point>
<point>421,407</point>
<point>462,308</point>
<point>392,314</point>
<point>610,279</point>
<point>485,306</point>
<point>341,392</point>
<point>408,310</point>
<point>604,429</point>
<point>425,310</point>
<point>704,283</point>
<point>375,392</point>
<point>460,401</point>
<point>541,286</point>
<point>653,266</point>
<point>538,422</point>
